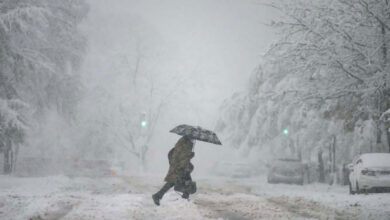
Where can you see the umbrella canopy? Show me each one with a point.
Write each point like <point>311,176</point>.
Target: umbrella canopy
<point>197,133</point>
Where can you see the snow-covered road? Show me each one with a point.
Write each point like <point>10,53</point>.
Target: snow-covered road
<point>129,197</point>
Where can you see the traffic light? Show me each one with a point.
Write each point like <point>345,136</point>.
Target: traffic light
<point>142,119</point>
<point>285,131</point>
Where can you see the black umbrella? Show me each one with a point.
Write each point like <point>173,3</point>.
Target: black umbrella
<point>197,133</point>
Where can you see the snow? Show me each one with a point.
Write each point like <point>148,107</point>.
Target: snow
<point>376,160</point>
<point>129,197</point>
<point>371,206</point>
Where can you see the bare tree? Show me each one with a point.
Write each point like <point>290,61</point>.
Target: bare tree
<point>131,100</point>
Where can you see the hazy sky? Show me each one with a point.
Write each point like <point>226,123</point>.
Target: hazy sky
<point>214,45</point>
<point>218,42</point>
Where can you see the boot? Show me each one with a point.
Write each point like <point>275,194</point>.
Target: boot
<point>158,196</point>
<point>156,199</point>
<point>185,195</point>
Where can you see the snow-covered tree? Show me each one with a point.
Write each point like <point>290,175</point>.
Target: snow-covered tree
<point>12,130</point>
<point>40,51</point>
<point>338,51</point>
<point>325,79</point>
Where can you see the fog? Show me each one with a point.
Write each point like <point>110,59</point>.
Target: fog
<point>117,109</point>
<point>200,51</point>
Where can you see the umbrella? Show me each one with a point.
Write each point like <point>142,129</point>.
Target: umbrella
<point>197,133</point>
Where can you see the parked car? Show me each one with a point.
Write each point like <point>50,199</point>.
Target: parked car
<point>370,173</point>
<point>231,169</point>
<point>291,171</point>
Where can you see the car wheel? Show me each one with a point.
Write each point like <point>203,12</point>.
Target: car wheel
<point>350,189</point>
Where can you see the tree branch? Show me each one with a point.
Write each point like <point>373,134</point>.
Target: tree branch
<point>366,6</point>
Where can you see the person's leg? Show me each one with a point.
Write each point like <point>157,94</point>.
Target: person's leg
<point>181,187</point>
<point>158,196</point>
<point>187,183</point>
<point>189,188</point>
<point>185,195</point>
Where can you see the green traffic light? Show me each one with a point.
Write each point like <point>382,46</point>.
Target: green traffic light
<point>144,123</point>
<point>285,131</point>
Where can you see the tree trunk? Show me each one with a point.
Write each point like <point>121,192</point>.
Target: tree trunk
<point>384,137</point>
<point>298,149</point>
<point>345,175</point>
<point>333,161</point>
<point>142,157</point>
<point>8,160</point>
<point>321,167</point>
<point>385,140</point>
<point>15,154</point>
<point>384,47</point>
<point>334,154</point>
<point>300,154</point>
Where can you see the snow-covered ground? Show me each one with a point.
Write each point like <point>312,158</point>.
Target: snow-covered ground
<point>326,198</point>
<point>129,197</point>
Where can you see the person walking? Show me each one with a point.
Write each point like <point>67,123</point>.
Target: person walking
<point>180,168</point>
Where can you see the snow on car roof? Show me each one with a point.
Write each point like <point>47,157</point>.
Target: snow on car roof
<point>376,159</point>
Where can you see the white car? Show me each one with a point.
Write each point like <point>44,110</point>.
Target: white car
<point>370,173</point>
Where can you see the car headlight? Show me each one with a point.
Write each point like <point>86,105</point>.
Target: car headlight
<point>368,172</point>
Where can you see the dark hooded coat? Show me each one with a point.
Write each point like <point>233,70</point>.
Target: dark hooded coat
<point>179,160</point>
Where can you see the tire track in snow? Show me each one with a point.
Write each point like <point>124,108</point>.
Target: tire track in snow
<point>310,209</point>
